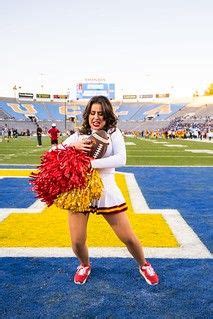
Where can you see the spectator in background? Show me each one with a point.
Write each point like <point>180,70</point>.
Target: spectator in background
<point>5,133</point>
<point>54,134</point>
<point>15,132</point>
<point>9,133</point>
<point>39,135</point>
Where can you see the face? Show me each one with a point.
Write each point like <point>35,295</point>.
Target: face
<point>96,118</point>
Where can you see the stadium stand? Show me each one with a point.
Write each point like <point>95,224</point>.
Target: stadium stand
<point>141,125</point>
<point>199,108</point>
<point>135,116</point>
<point>4,115</point>
<point>44,111</point>
<point>146,111</point>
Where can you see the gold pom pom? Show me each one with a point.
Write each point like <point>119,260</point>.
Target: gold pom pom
<point>79,199</point>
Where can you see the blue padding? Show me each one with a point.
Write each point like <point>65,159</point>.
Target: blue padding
<point>15,193</point>
<point>44,288</point>
<point>189,190</point>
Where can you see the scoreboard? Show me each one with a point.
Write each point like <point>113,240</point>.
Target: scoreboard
<point>43,96</point>
<point>88,90</point>
<point>28,96</point>
<point>60,97</point>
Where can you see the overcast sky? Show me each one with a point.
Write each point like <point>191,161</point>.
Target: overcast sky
<point>139,45</point>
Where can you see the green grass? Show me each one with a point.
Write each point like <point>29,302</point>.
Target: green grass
<point>145,152</point>
<point>24,150</point>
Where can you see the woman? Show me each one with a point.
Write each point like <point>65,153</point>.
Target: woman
<point>99,115</point>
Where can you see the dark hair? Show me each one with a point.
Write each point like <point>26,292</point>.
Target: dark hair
<point>108,114</point>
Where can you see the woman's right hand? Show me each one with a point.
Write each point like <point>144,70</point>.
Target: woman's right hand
<point>83,145</point>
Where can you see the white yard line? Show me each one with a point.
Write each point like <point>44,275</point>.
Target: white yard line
<point>185,156</point>
<point>129,143</point>
<point>19,169</point>
<point>200,151</point>
<point>135,194</point>
<point>169,166</point>
<point>103,252</point>
<point>158,142</point>
<point>35,208</point>
<point>190,244</point>
<point>175,145</point>
<point>17,165</point>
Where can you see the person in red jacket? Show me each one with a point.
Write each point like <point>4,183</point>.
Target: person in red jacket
<point>54,134</point>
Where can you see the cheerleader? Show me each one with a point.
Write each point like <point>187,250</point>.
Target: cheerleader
<point>99,115</point>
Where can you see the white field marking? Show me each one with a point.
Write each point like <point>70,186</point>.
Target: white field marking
<point>36,150</point>
<point>7,156</point>
<point>167,156</point>
<point>102,252</point>
<point>200,151</point>
<point>36,208</point>
<point>12,148</point>
<point>19,169</point>
<point>180,139</point>
<point>168,166</point>
<point>35,166</point>
<point>15,176</point>
<point>129,143</point>
<point>148,152</point>
<point>190,245</point>
<point>135,194</point>
<point>198,140</point>
<point>175,145</point>
<point>157,142</point>
<point>17,165</point>
<point>26,154</point>
<point>38,205</point>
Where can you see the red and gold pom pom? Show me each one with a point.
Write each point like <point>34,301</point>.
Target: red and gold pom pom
<point>79,199</point>
<point>61,171</point>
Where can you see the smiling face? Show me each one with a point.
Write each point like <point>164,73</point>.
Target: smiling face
<point>96,117</point>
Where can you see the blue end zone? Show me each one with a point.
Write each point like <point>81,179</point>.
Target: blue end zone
<point>115,289</point>
<point>15,193</point>
<point>44,288</point>
<point>189,190</point>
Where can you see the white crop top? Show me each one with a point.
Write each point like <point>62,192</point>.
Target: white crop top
<point>115,155</point>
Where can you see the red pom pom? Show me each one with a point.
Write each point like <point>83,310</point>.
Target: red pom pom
<point>61,170</point>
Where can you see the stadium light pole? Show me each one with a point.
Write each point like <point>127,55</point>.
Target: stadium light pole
<point>65,110</point>
<point>65,116</point>
<point>42,75</point>
<point>15,91</point>
<point>171,98</point>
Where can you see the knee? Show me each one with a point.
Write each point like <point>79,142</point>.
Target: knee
<point>77,245</point>
<point>130,241</point>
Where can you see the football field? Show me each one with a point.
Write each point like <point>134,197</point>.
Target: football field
<point>175,152</point>
<point>168,187</point>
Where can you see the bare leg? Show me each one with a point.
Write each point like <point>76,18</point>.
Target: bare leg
<point>78,234</point>
<point>122,228</point>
